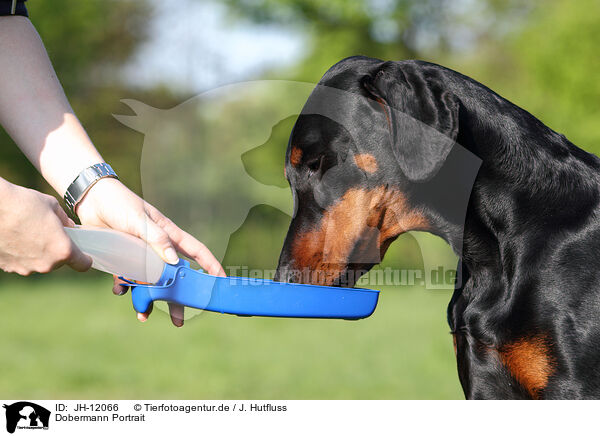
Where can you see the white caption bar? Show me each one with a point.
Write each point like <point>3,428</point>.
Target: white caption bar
<point>263,418</point>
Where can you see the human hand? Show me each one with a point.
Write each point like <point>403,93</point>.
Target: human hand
<point>111,204</point>
<point>32,237</point>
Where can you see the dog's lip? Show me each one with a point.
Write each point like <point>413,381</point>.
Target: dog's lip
<point>354,268</point>
<point>337,283</point>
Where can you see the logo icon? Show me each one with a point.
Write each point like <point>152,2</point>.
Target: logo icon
<point>26,415</point>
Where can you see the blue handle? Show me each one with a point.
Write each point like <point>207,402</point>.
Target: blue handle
<point>178,284</point>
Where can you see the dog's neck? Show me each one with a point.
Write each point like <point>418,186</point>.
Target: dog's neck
<point>533,187</point>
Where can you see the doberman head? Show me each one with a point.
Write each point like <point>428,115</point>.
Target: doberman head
<point>363,162</point>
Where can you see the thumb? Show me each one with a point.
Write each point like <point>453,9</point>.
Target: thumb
<point>78,260</point>
<point>63,217</point>
<point>159,240</point>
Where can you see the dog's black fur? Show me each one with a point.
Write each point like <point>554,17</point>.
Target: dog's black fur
<point>526,313</point>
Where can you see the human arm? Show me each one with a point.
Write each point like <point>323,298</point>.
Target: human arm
<point>37,115</point>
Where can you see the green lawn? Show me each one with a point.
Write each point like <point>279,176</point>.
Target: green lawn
<point>67,339</point>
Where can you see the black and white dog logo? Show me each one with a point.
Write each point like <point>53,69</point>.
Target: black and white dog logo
<point>26,415</point>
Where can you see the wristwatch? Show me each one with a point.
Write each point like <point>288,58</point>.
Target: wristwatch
<point>84,181</point>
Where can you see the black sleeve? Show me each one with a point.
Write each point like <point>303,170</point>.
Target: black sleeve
<point>6,8</point>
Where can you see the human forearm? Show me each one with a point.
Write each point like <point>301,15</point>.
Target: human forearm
<point>36,113</point>
<point>34,109</point>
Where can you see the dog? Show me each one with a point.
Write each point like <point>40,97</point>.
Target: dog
<point>525,312</point>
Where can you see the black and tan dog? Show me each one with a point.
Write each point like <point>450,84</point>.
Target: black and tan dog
<point>525,316</point>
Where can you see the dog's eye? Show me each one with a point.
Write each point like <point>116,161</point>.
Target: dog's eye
<point>314,164</point>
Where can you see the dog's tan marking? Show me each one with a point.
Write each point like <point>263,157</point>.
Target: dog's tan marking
<point>366,162</point>
<point>296,156</point>
<point>376,213</point>
<point>384,106</point>
<point>530,362</point>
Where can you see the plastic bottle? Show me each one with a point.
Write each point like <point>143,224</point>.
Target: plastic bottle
<point>118,253</point>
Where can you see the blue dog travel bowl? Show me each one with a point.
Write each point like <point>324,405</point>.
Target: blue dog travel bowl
<point>253,297</point>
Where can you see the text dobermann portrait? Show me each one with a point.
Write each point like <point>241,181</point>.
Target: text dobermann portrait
<point>382,148</point>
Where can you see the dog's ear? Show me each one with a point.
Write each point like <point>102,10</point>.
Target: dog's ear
<point>422,117</point>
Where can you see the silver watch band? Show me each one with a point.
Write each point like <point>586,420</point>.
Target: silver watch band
<point>84,181</point>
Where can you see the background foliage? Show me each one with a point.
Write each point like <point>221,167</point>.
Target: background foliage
<point>78,340</point>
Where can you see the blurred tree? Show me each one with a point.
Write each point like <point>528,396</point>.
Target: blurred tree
<point>88,42</point>
<point>558,63</point>
<point>386,29</point>
<point>548,66</point>
<point>83,38</point>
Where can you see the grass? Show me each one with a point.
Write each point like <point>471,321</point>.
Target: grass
<point>73,339</point>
